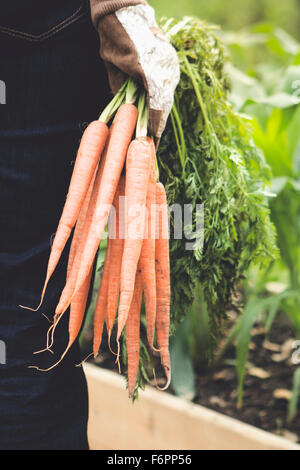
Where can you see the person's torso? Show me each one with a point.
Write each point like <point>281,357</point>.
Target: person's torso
<point>35,18</point>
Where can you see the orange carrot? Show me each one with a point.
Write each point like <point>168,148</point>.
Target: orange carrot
<point>79,228</point>
<point>77,309</point>
<point>75,253</point>
<point>75,322</point>
<point>163,291</point>
<point>73,271</point>
<point>123,128</point>
<point>78,304</point>
<point>101,306</point>
<point>71,280</point>
<point>133,334</point>
<point>117,245</point>
<point>147,259</point>
<point>80,298</point>
<point>91,147</point>
<point>137,177</point>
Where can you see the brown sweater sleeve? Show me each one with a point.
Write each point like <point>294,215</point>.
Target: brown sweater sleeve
<point>117,49</point>
<point>100,8</point>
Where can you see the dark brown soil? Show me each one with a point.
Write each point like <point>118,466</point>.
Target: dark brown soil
<point>218,389</point>
<point>270,358</point>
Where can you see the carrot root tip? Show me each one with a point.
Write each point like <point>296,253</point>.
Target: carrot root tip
<point>153,347</point>
<point>118,357</point>
<point>168,375</point>
<point>109,344</point>
<point>54,365</point>
<point>30,308</point>
<point>84,360</point>
<point>44,350</point>
<point>47,318</point>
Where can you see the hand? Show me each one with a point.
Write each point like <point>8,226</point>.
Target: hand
<point>132,44</point>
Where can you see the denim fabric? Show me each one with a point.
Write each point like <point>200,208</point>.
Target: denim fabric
<point>55,83</point>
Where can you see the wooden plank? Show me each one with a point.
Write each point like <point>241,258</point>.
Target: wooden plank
<point>159,421</point>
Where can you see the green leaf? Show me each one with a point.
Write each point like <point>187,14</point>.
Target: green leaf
<point>286,215</point>
<point>273,311</point>
<point>276,303</point>
<point>275,144</point>
<point>200,329</point>
<point>296,60</point>
<point>287,42</point>
<point>293,403</point>
<point>293,136</point>
<point>278,41</point>
<point>296,161</point>
<point>183,378</point>
<point>291,81</point>
<point>278,184</point>
<point>245,89</point>
<point>253,309</point>
<point>288,114</point>
<point>278,100</point>
<point>101,254</point>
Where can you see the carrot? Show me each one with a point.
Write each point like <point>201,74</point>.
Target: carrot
<point>73,271</point>
<point>133,334</point>
<point>77,312</point>
<point>78,304</point>
<point>71,280</point>
<point>75,321</point>
<point>90,149</point>
<point>123,128</point>
<point>147,259</point>
<point>77,309</point>
<point>101,306</point>
<point>137,177</point>
<point>74,256</point>
<point>79,228</point>
<point>163,291</point>
<point>117,245</point>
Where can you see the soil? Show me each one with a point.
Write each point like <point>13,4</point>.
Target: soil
<point>268,383</point>
<point>217,390</point>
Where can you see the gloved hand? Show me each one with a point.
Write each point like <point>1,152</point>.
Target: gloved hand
<point>132,44</point>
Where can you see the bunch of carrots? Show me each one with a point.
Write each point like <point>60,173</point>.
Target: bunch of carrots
<point>137,255</point>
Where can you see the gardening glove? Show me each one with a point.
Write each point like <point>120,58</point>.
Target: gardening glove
<point>132,44</point>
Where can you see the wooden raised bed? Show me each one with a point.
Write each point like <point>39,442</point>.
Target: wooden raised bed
<point>160,421</point>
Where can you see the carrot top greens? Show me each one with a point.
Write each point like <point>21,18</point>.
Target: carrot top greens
<point>207,156</point>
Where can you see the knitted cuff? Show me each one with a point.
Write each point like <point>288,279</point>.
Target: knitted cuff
<point>100,8</point>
